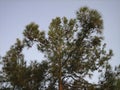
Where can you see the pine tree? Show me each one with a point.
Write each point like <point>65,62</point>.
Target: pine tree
<point>73,48</point>
<point>18,74</point>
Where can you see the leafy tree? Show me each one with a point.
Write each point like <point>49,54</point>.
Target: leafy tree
<point>73,48</point>
<point>18,74</point>
<point>110,79</point>
<point>14,65</point>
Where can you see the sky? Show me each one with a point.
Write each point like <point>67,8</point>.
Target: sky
<point>16,14</point>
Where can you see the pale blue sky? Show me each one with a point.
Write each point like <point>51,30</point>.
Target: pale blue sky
<point>16,14</point>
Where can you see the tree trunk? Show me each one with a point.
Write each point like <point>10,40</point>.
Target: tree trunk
<point>60,69</point>
<point>60,80</point>
<point>60,86</point>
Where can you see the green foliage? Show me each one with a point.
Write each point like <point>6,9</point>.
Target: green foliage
<point>73,50</point>
<point>110,79</point>
<point>18,73</point>
<point>90,19</point>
